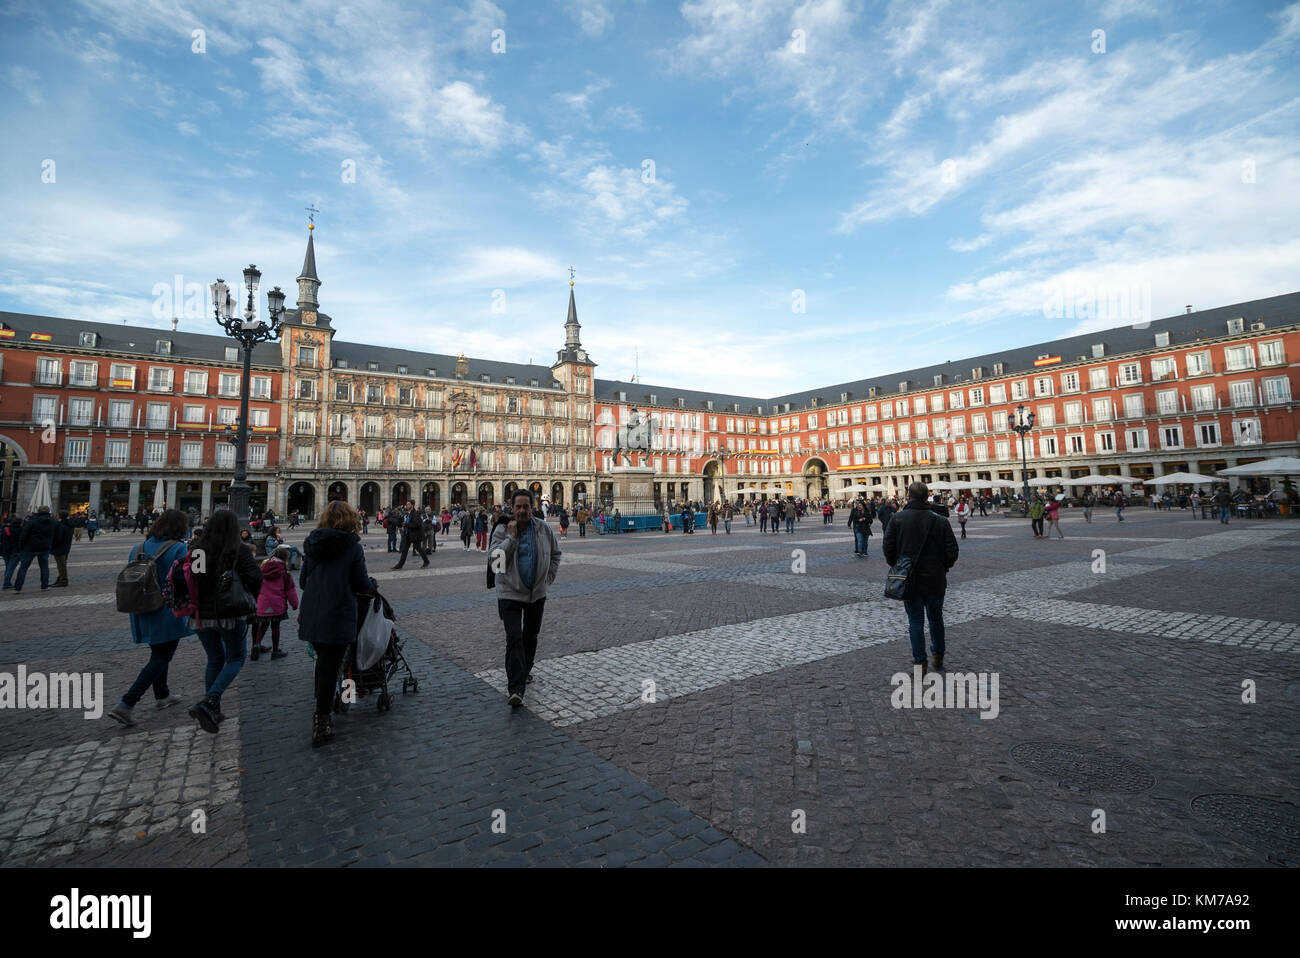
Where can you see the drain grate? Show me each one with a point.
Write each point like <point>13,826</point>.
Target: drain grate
<point>1270,826</point>
<point>1081,767</point>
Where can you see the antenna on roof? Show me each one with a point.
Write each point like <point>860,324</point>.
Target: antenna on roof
<point>1189,307</point>
<point>174,322</point>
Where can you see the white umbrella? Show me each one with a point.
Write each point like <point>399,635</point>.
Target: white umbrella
<point>159,494</point>
<point>1097,479</point>
<point>41,494</point>
<point>961,484</point>
<point>1181,479</point>
<point>1277,466</point>
<point>940,484</point>
<point>1043,481</point>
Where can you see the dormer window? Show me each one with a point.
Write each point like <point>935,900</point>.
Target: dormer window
<point>844,397</point>
<point>163,347</point>
<point>1162,339</point>
<point>401,370</point>
<point>654,400</point>
<point>622,396</point>
<point>431,372</point>
<point>373,367</point>
<point>510,381</point>
<point>1098,350</point>
<point>680,402</point>
<point>1236,325</point>
<point>708,404</point>
<point>998,368</point>
<point>484,378</point>
<point>902,387</point>
<point>88,339</point>
<point>977,372</point>
<point>340,364</point>
<point>532,382</point>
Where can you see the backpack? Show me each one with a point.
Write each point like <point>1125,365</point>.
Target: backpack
<point>181,593</point>
<point>137,584</point>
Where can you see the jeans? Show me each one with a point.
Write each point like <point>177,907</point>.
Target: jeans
<point>61,562</point>
<point>860,542</point>
<point>225,648</point>
<point>1225,513</point>
<point>392,540</point>
<point>747,518</point>
<point>1119,513</point>
<point>582,530</point>
<point>154,673</point>
<point>523,621</point>
<point>329,656</point>
<point>789,523</point>
<point>25,559</point>
<point>727,524</point>
<point>762,523</point>
<point>962,523</point>
<point>1037,525</point>
<point>11,563</point>
<point>418,542</point>
<point>918,607</point>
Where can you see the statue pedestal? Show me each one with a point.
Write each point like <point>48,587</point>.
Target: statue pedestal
<point>634,490</point>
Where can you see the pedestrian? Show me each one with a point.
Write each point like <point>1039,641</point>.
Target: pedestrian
<point>412,537</point>
<point>713,518</point>
<point>860,520</point>
<point>481,531</point>
<point>1119,506</point>
<point>10,535</point>
<point>791,514</point>
<point>445,516</point>
<point>748,514</point>
<point>278,593</point>
<point>222,627</point>
<point>762,516</point>
<point>332,577</point>
<point>583,518</point>
<point>64,533</point>
<point>430,524</point>
<point>1053,513</point>
<point>1223,502</point>
<point>35,543</point>
<point>117,521</point>
<point>275,540</point>
<point>161,630</point>
<point>92,526</point>
<point>728,513</point>
<point>667,520</point>
<point>466,529</point>
<point>564,522</point>
<point>618,520</point>
<point>963,513</point>
<point>1036,511</point>
<point>885,513</point>
<point>529,558</point>
<point>78,526</point>
<point>927,538</point>
<point>1089,500</point>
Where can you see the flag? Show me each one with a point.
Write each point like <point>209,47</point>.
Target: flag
<point>456,457</point>
<point>473,458</point>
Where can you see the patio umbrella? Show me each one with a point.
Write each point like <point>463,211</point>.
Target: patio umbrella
<point>159,495</point>
<point>1097,479</point>
<point>41,494</point>
<point>1277,466</point>
<point>1181,479</point>
<point>941,485</point>
<point>1042,481</point>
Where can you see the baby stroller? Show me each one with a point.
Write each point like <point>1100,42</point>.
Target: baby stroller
<point>378,676</point>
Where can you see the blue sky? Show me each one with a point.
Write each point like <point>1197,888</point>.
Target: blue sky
<point>935,178</point>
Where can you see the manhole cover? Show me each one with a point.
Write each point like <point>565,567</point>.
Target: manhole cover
<point>1271,826</point>
<point>1083,767</point>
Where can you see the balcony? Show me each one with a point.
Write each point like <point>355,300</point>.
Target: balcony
<point>47,378</point>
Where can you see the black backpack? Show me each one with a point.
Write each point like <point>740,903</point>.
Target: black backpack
<point>138,591</point>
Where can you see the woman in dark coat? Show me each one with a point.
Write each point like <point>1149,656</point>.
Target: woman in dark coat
<point>333,575</point>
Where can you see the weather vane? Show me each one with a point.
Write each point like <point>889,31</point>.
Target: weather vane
<point>571,272</point>
<point>311,215</point>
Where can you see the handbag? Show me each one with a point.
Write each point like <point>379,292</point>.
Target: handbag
<point>900,573</point>
<point>232,600</point>
<point>373,636</point>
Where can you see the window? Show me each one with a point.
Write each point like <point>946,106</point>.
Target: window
<point>1000,420</point>
<point>1134,406</point>
<point>979,423</point>
<point>402,370</point>
<point>936,402</point>
<point>536,406</point>
<point>1202,398</point>
<point>303,456</point>
<point>1198,364</point>
<point>900,407</point>
<point>1236,325</point>
<point>1171,437</point>
<point>191,454</point>
<point>487,431</point>
<point>119,413</point>
<point>163,347</point>
<point>374,394</point>
<point>955,399</point>
<point>1047,415</point>
<point>1240,357</point>
<point>81,411</point>
<point>372,366</point>
<point>904,433</point>
<point>1077,445</point>
<point>228,385</point>
<point>959,452</point>
<point>889,434</point>
<point>1165,368</point>
<point>977,396</point>
<point>259,417</point>
<point>1043,386</point>
<point>1099,378</point>
<point>1130,373</point>
<point>196,382</point>
<point>1167,401</point>
<point>1020,389</point>
<point>374,459</point>
<point>1243,393</point>
<point>433,429</point>
<point>1277,390</point>
<point>158,415</point>
<point>1105,441</point>
<point>83,373</point>
<point>981,452</point>
<point>404,395</point>
<point>432,398</point>
<point>922,432</point>
<point>1047,445</point>
<point>257,456</point>
<point>1073,413</point>
<point>1002,449</point>
<point>226,415</point>
<point>87,339</point>
<point>957,425</point>
<point>232,354</point>
<point>343,392</point>
<point>123,375</point>
<point>1101,411</point>
<point>261,387</point>
<point>192,413</point>
<point>873,435</point>
<point>117,452</point>
<point>339,457</point>
<point>886,410</point>
<point>374,426</point>
<point>855,416</point>
<point>45,409</point>
<point>155,452</point>
<point>76,452</point>
<point>1246,432</point>
<point>160,378</point>
<point>306,389</point>
<point>918,405</point>
<point>306,355</point>
<point>404,460</point>
<point>1137,440</point>
<point>405,428</point>
<point>1207,434</point>
<point>997,394</point>
<point>1270,353</point>
<point>304,424</point>
<point>225,457</point>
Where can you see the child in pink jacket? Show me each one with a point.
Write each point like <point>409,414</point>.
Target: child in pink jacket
<point>278,593</point>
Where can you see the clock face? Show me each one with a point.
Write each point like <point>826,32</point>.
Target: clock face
<point>309,317</point>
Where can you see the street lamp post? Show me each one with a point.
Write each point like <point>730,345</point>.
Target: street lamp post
<point>1021,423</point>
<point>249,331</point>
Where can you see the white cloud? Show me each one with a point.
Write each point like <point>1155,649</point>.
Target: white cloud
<point>969,246</point>
<point>593,16</point>
<point>27,82</point>
<point>186,128</point>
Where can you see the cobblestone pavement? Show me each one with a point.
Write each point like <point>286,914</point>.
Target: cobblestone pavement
<point>706,700</point>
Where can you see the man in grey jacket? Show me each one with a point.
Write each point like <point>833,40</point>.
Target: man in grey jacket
<point>525,558</point>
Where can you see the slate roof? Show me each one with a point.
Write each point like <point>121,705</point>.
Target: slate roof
<point>197,347</point>
<point>1183,329</point>
<point>418,363</point>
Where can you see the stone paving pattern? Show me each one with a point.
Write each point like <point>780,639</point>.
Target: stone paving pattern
<point>1119,690</point>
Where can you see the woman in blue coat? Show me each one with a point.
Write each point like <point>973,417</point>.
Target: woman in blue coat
<point>161,631</point>
<point>333,575</point>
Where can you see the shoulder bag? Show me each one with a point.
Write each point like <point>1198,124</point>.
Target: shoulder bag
<point>900,573</point>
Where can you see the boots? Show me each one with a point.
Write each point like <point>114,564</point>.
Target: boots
<point>322,729</point>
<point>208,713</point>
<point>938,663</point>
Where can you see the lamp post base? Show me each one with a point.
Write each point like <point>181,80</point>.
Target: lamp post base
<point>237,498</point>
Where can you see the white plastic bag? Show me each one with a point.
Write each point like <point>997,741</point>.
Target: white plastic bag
<point>372,639</point>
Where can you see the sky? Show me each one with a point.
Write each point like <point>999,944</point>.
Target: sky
<point>757,197</point>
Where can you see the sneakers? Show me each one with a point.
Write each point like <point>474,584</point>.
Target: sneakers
<point>426,564</point>
<point>255,652</point>
<point>515,700</point>
<point>208,714</point>
<point>322,729</point>
<point>122,713</point>
<point>278,654</point>
<point>170,700</point>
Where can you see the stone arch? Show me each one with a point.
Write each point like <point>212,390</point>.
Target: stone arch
<point>338,491</point>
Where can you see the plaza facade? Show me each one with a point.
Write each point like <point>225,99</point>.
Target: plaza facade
<point>109,412</point>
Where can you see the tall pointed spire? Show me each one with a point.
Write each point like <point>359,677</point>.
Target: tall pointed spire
<point>309,282</point>
<point>571,326</point>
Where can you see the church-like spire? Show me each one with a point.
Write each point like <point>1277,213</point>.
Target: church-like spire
<point>309,282</point>
<point>571,326</point>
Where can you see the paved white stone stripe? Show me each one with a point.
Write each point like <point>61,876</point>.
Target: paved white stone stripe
<point>1203,547</point>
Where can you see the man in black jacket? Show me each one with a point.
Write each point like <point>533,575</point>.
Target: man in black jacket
<point>10,536</point>
<point>412,536</point>
<point>36,542</point>
<point>62,545</point>
<point>918,532</point>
